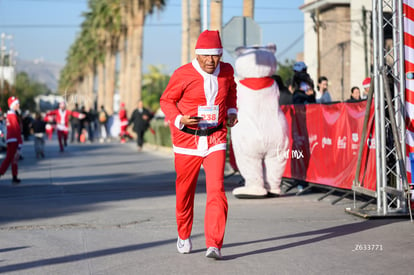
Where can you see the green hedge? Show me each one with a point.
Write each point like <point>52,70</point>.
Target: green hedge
<point>162,136</point>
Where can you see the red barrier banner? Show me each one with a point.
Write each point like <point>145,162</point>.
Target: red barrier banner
<point>324,144</point>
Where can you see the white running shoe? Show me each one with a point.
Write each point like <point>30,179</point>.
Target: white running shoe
<point>214,253</point>
<point>184,246</point>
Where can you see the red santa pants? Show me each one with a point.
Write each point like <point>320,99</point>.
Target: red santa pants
<point>187,168</point>
<point>10,158</point>
<point>62,138</point>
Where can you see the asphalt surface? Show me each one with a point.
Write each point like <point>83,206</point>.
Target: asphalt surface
<point>109,209</point>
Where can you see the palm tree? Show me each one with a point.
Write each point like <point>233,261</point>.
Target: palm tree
<point>135,19</point>
<point>195,24</point>
<point>107,28</point>
<point>248,8</point>
<point>185,30</point>
<point>216,15</point>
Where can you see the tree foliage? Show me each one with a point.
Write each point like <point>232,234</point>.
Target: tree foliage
<point>285,70</point>
<point>154,84</point>
<point>25,90</point>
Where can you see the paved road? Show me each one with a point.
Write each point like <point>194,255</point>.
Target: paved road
<point>108,209</point>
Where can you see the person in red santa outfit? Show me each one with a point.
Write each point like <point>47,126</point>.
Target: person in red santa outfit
<point>13,140</point>
<point>198,100</point>
<point>123,118</point>
<point>61,116</point>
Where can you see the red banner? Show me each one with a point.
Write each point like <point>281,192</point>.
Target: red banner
<point>324,144</point>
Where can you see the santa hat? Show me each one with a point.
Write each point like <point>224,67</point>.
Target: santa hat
<point>366,82</point>
<point>209,43</point>
<point>12,101</point>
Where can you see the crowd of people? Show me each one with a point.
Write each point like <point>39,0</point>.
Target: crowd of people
<point>301,89</point>
<point>83,126</point>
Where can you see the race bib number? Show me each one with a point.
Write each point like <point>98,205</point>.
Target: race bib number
<point>210,115</point>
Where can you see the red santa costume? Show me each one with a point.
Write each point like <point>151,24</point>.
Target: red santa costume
<point>61,117</point>
<point>13,140</point>
<point>123,118</point>
<point>192,91</point>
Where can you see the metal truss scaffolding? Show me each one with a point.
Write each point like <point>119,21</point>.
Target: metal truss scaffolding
<point>388,95</point>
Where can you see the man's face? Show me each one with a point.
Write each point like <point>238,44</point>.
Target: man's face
<point>208,63</point>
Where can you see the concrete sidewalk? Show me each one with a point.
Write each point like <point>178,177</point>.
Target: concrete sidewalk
<point>108,209</point>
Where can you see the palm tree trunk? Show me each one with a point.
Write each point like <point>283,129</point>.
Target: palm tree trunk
<point>110,62</point>
<point>248,8</point>
<point>101,85</point>
<point>122,66</point>
<point>195,24</point>
<point>185,29</point>
<point>216,15</point>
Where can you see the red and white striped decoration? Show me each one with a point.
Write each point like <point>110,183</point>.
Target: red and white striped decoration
<point>408,8</point>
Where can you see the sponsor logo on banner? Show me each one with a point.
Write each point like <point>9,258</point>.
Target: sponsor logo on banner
<point>313,141</point>
<point>371,143</point>
<point>341,142</point>
<point>355,137</point>
<point>355,145</point>
<point>326,141</point>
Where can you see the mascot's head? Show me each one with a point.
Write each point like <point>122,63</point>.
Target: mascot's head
<point>256,61</point>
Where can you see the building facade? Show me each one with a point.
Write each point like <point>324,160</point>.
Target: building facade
<point>337,43</point>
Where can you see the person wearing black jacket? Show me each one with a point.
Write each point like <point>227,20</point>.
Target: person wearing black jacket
<point>140,118</point>
<point>304,92</point>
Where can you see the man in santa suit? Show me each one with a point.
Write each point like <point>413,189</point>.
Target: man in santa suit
<point>61,116</point>
<point>13,140</point>
<point>198,100</point>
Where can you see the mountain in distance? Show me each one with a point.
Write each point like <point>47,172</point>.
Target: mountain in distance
<point>41,71</point>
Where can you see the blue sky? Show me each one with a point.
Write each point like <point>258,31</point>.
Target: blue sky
<point>46,28</point>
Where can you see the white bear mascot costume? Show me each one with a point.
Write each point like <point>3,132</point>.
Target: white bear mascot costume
<point>260,139</point>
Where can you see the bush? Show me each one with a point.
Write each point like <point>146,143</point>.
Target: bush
<point>162,136</point>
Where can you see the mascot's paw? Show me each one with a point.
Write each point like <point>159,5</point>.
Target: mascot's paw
<point>249,192</point>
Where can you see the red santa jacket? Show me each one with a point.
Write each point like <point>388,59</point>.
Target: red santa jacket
<point>190,87</point>
<point>123,117</point>
<point>62,118</point>
<point>13,128</point>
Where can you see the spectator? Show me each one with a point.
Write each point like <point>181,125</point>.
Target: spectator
<point>200,97</point>
<point>91,119</point>
<point>140,118</point>
<point>285,96</point>
<point>365,85</point>
<point>355,95</point>
<point>75,125</point>
<point>103,124</point>
<point>39,130</point>
<point>26,124</point>
<point>302,85</point>
<point>323,95</point>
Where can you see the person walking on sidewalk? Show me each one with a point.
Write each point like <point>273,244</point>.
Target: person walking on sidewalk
<point>140,118</point>
<point>13,140</point>
<point>199,97</point>
<point>61,116</point>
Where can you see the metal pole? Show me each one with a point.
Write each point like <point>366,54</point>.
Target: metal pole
<point>381,118</point>
<point>374,82</point>
<point>205,16</point>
